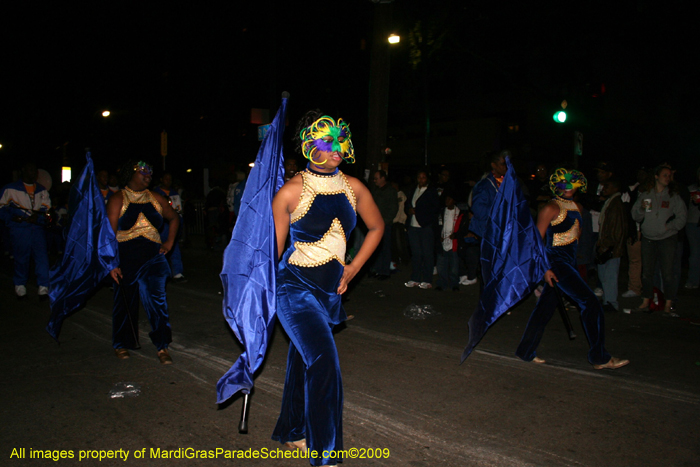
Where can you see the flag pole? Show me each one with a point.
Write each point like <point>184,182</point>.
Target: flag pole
<point>563,313</point>
<point>243,425</point>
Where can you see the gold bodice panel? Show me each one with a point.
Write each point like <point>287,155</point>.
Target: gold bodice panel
<point>142,227</point>
<point>331,246</point>
<point>321,185</point>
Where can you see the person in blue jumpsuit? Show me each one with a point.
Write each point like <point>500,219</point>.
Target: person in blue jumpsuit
<point>175,256</point>
<point>317,208</point>
<point>23,208</point>
<point>559,223</point>
<point>136,215</point>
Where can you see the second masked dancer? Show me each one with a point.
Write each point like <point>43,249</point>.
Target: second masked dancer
<point>559,223</point>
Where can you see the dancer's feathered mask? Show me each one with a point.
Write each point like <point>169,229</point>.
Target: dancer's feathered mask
<point>325,134</point>
<point>562,180</point>
<point>143,168</point>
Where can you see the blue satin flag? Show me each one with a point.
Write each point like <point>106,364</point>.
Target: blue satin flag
<point>513,258</point>
<point>91,251</point>
<point>250,264</point>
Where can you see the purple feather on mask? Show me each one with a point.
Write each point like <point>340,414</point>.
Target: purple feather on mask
<point>324,145</point>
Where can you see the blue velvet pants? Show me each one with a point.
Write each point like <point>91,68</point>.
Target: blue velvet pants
<point>312,403</point>
<point>571,284</point>
<point>30,241</point>
<point>148,285</point>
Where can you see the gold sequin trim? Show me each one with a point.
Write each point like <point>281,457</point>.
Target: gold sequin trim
<point>138,197</point>
<point>568,237</point>
<point>331,246</point>
<point>142,228</point>
<point>565,205</point>
<point>321,185</point>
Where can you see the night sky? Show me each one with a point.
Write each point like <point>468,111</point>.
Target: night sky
<point>197,71</point>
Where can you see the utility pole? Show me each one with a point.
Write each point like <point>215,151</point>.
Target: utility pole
<point>378,86</point>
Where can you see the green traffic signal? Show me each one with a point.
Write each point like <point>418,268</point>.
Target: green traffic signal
<point>559,117</point>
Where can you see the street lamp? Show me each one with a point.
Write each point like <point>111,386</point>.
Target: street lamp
<point>379,84</point>
<point>106,113</point>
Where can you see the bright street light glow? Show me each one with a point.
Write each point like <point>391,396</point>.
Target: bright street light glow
<point>65,174</point>
<point>394,39</point>
<point>106,113</point>
<point>251,165</point>
<point>189,170</point>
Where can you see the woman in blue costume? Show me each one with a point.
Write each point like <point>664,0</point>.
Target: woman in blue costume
<point>559,224</point>
<point>137,215</point>
<point>317,208</point>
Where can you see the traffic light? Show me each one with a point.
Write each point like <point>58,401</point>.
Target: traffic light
<point>560,115</point>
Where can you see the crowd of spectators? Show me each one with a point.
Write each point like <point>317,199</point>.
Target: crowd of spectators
<point>435,223</point>
<point>643,223</point>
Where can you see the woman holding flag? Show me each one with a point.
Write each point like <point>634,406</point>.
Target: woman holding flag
<point>317,208</point>
<point>559,224</point>
<point>136,215</point>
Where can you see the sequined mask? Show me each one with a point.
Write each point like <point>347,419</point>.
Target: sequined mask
<point>562,180</point>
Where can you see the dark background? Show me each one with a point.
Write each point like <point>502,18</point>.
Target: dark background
<point>626,69</point>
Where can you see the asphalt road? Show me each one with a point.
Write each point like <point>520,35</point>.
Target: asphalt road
<point>405,391</point>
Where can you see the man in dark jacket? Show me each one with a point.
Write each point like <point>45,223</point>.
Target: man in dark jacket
<point>387,199</point>
<point>422,208</point>
<point>611,242</point>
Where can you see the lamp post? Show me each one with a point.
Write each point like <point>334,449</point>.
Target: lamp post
<point>379,86</point>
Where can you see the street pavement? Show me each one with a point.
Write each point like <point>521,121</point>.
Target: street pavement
<point>405,392</point>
